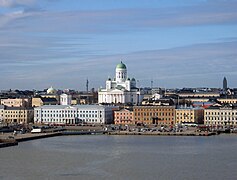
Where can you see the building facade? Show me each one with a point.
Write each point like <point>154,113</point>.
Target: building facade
<point>227,100</point>
<point>124,117</point>
<point>220,116</point>
<point>16,114</point>
<point>120,90</point>
<point>192,115</point>
<point>17,102</point>
<point>40,101</point>
<point>160,115</point>
<point>65,114</point>
<point>65,99</point>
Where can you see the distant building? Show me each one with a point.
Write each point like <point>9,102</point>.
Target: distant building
<point>1,113</point>
<point>51,90</point>
<point>199,94</point>
<point>17,102</point>
<point>160,115</point>
<point>203,104</point>
<point>124,117</point>
<point>190,114</point>
<point>40,101</point>
<point>120,90</point>
<point>65,114</point>
<point>65,99</point>
<point>227,100</point>
<point>225,84</point>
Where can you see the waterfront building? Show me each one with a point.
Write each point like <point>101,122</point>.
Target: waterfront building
<point>16,102</point>
<point>121,89</point>
<point>192,115</point>
<point>221,115</point>
<point>160,115</point>
<point>124,117</point>
<point>65,99</point>
<point>65,114</point>
<point>16,114</point>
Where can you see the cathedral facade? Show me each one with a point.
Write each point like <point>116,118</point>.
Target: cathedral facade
<point>121,89</point>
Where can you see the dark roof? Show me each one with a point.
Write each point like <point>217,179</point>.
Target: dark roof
<point>44,99</point>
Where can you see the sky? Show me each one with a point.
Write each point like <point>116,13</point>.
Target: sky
<point>62,43</point>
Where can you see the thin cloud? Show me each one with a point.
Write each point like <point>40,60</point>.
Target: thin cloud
<point>190,65</point>
<point>104,21</point>
<point>16,3</point>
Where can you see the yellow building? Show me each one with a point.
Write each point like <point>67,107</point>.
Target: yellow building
<point>189,115</point>
<point>40,101</point>
<point>160,115</point>
<point>16,114</point>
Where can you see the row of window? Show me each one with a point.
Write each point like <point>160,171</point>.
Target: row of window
<point>69,115</point>
<point>221,123</point>
<point>154,114</point>
<point>221,113</point>
<point>67,111</point>
<point>185,117</point>
<point>15,112</point>
<point>150,119</point>
<point>221,118</point>
<point>153,109</point>
<point>67,121</point>
<point>15,116</point>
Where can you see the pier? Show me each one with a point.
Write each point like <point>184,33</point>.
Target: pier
<point>163,133</point>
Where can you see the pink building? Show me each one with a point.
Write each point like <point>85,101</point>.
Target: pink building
<point>123,117</point>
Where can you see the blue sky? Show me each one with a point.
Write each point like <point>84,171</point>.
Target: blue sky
<point>61,43</point>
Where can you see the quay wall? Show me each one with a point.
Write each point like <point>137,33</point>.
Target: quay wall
<point>7,143</point>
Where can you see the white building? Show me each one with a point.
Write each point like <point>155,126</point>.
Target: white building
<point>221,115</point>
<point>65,114</point>
<point>120,90</point>
<point>65,99</point>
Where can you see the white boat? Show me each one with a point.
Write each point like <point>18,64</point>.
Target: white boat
<point>37,130</point>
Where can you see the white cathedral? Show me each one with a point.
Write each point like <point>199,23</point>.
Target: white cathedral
<point>120,90</point>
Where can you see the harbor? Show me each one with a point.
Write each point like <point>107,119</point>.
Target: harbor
<point>13,138</point>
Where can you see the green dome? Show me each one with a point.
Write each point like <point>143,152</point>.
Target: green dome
<point>121,66</point>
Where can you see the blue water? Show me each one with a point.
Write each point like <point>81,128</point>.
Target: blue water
<point>122,157</point>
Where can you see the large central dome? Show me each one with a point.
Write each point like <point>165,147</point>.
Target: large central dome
<point>121,66</point>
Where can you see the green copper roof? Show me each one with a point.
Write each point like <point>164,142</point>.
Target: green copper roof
<point>121,66</point>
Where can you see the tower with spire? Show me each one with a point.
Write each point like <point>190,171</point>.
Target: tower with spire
<point>225,84</point>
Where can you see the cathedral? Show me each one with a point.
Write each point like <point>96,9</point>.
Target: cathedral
<point>121,89</point>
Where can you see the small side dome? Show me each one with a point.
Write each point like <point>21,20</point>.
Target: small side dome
<point>121,65</point>
<point>51,90</point>
<point>133,79</point>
